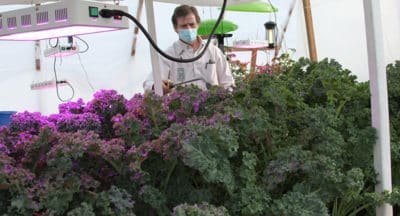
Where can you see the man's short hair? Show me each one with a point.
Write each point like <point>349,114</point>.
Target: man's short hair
<point>182,11</point>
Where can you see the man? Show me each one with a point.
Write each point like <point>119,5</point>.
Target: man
<point>211,69</point>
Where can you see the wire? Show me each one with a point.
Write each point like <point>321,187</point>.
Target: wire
<point>57,42</point>
<point>270,3</point>
<point>107,13</point>
<point>86,44</point>
<point>86,74</point>
<point>275,19</point>
<point>80,61</point>
<point>59,82</point>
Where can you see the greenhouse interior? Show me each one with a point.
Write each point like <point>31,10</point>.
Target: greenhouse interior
<point>200,107</point>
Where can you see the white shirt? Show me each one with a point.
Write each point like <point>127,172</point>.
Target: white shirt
<point>212,67</point>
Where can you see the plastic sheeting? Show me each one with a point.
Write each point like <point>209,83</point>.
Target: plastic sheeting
<point>29,2</point>
<point>205,2</point>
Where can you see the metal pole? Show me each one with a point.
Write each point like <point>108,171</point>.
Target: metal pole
<point>379,100</point>
<point>282,34</point>
<point>155,61</point>
<point>310,30</point>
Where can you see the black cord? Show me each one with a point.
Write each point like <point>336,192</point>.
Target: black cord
<point>270,3</point>
<point>276,22</point>
<point>107,13</point>
<point>61,82</point>
<point>57,42</point>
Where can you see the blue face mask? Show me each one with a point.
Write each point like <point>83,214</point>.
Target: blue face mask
<point>187,35</point>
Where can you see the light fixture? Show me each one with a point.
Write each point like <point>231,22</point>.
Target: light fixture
<point>270,33</point>
<point>220,33</point>
<point>60,19</point>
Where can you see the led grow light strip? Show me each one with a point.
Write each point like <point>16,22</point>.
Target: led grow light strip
<point>54,33</point>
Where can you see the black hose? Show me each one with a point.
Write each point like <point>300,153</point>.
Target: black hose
<point>107,13</point>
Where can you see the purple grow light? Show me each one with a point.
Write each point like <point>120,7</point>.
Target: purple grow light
<point>56,32</point>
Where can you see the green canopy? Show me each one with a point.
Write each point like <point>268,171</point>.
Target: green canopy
<point>224,26</point>
<point>257,6</point>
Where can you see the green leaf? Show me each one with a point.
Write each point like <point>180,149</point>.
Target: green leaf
<point>115,201</point>
<point>155,198</point>
<point>84,209</point>
<point>295,203</point>
<point>203,209</point>
<point>204,156</point>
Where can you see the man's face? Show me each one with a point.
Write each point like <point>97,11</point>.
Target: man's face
<point>186,22</point>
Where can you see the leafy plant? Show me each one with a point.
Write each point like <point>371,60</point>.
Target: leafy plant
<point>203,209</point>
<point>296,141</point>
<point>296,203</point>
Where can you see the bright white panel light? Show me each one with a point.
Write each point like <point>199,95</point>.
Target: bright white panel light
<point>54,33</point>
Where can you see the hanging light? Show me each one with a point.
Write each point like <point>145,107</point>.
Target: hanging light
<point>59,19</point>
<point>270,33</point>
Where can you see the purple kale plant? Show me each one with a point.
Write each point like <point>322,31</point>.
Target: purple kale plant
<point>71,122</point>
<point>181,105</point>
<point>106,104</point>
<point>130,128</point>
<point>72,107</point>
<point>28,122</point>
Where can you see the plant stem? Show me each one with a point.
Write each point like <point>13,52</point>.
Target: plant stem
<point>340,107</point>
<point>118,169</point>
<point>153,117</point>
<point>264,153</point>
<point>171,170</point>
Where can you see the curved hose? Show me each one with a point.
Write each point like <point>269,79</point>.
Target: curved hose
<point>107,13</point>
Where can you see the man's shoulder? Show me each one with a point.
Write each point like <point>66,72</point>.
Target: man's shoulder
<point>210,46</point>
<point>171,49</point>
<point>215,50</point>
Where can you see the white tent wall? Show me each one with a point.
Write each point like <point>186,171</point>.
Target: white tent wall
<point>391,25</point>
<point>16,75</point>
<point>340,32</point>
<point>339,29</point>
